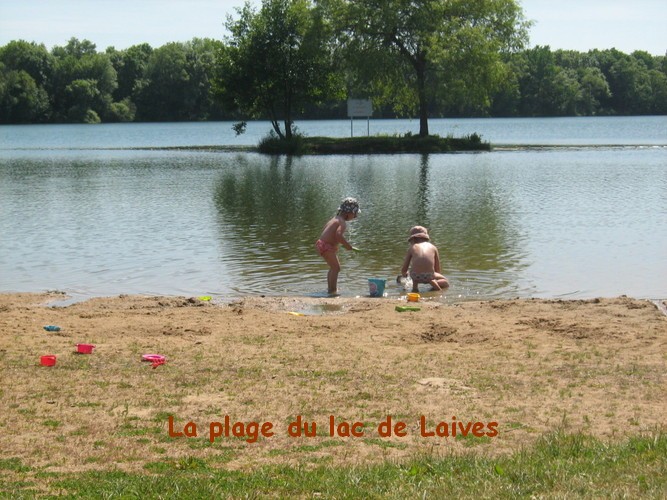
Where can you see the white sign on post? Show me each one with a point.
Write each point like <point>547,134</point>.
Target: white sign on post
<point>359,108</point>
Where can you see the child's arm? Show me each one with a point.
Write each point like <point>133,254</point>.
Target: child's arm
<point>436,262</point>
<point>406,264</point>
<point>340,238</point>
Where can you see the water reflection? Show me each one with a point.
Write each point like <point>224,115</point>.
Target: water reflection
<point>266,210</point>
<point>423,192</point>
<point>270,212</point>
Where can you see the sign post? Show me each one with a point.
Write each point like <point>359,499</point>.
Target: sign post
<point>360,108</point>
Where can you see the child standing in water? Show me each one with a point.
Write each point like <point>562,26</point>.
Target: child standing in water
<point>332,236</point>
<point>423,261</point>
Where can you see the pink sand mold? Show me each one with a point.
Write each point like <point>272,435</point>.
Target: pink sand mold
<point>153,357</point>
<point>85,348</point>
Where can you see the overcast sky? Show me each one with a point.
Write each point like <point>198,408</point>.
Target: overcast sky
<point>562,24</point>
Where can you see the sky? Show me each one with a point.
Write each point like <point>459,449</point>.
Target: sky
<point>581,25</point>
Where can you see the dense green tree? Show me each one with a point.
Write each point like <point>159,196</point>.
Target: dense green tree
<point>560,83</point>
<point>123,111</point>
<point>82,96</point>
<point>160,97</point>
<point>630,85</point>
<point>645,58</point>
<point>82,73</point>
<point>25,71</point>
<point>130,66</point>
<point>177,82</point>
<point>594,90</point>
<point>538,72</point>
<point>201,61</point>
<point>433,49</point>
<point>30,57</point>
<point>276,61</point>
<point>659,92</point>
<point>75,48</point>
<point>21,99</point>
<point>572,59</point>
<point>506,100</point>
<point>566,93</point>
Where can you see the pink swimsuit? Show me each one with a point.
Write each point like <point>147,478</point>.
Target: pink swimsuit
<point>324,247</point>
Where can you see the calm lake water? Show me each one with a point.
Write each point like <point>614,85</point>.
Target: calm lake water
<point>79,213</point>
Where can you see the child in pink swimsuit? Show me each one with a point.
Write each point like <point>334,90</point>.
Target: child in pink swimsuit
<point>333,235</point>
<point>423,261</point>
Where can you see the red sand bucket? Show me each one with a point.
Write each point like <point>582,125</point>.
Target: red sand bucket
<point>48,360</point>
<point>85,348</point>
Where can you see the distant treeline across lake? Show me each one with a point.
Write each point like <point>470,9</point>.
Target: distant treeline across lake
<point>76,83</point>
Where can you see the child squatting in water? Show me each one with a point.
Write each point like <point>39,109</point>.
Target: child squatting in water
<point>423,261</point>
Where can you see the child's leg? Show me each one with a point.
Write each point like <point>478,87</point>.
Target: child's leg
<point>439,282</point>
<point>415,283</point>
<point>331,258</point>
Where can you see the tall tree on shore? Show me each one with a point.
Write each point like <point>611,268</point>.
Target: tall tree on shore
<point>275,61</point>
<point>83,84</point>
<point>415,52</point>
<point>26,70</point>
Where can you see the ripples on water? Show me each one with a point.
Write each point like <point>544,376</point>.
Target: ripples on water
<point>554,223</point>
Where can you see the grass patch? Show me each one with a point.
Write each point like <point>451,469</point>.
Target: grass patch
<point>13,464</point>
<point>383,443</point>
<point>188,464</point>
<point>317,447</point>
<point>471,440</point>
<point>559,465</point>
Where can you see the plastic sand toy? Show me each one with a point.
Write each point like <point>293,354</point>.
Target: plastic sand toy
<point>376,287</point>
<point>48,360</point>
<point>85,348</point>
<point>407,308</point>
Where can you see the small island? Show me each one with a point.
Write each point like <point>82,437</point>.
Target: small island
<point>409,143</point>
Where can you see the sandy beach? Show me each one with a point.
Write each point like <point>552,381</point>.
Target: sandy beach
<point>499,373</point>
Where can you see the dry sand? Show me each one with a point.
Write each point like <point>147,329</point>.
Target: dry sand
<point>532,366</point>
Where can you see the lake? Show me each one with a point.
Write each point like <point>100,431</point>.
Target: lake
<point>82,213</point>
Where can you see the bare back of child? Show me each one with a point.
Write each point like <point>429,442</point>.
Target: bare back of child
<point>423,261</point>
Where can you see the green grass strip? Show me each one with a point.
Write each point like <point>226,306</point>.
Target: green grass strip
<point>558,466</point>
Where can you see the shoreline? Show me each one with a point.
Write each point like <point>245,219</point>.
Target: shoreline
<point>500,147</point>
<point>60,298</point>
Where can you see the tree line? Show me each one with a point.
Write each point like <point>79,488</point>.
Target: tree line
<point>292,59</point>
